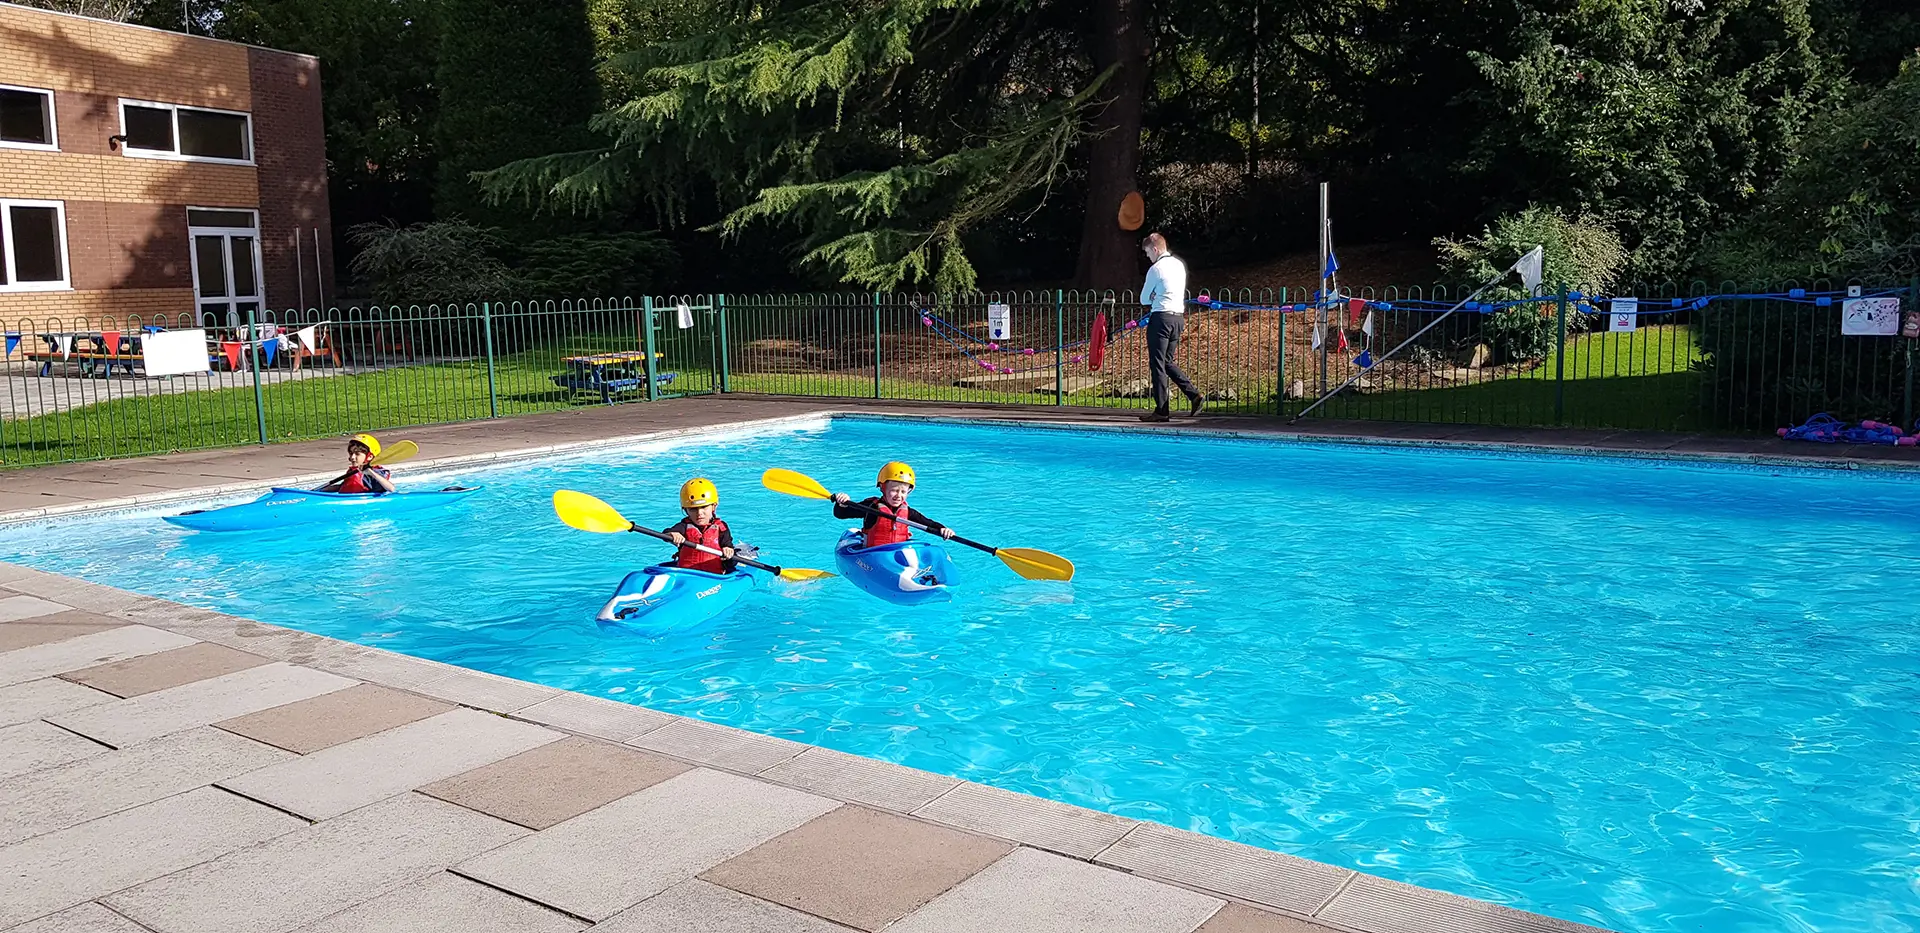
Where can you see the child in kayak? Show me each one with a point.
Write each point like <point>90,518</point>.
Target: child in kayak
<point>698,498</point>
<point>362,476</point>
<point>889,526</point>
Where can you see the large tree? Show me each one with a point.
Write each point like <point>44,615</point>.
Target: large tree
<point>884,133</point>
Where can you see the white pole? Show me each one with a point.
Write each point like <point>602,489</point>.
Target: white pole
<point>300,270</point>
<point>1320,309</point>
<point>319,274</point>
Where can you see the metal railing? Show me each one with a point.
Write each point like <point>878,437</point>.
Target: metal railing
<point>1762,359</point>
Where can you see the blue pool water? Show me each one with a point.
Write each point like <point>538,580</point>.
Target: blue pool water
<point>1654,697</point>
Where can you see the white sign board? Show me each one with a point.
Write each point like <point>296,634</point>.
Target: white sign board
<point>175,352</point>
<point>1625,315</point>
<point>999,322</point>
<point>1870,317</point>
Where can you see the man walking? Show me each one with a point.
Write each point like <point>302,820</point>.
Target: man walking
<point>1166,293</point>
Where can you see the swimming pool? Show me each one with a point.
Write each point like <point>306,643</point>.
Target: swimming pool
<point>1652,696</point>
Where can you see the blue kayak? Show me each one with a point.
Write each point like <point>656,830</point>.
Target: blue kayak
<point>281,507</point>
<point>909,573</point>
<point>664,599</point>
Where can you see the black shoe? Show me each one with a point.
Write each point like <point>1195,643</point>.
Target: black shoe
<point>1156,417</point>
<point>1195,404</point>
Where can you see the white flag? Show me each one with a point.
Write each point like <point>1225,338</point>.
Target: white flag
<point>686,315</point>
<point>310,336</point>
<point>1529,269</point>
<point>1319,335</point>
<point>1366,326</point>
<point>66,345</point>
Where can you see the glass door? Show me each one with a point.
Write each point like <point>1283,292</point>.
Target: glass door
<point>226,267</point>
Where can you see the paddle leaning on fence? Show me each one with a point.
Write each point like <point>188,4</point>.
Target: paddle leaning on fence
<point>587,513</point>
<point>1030,563</point>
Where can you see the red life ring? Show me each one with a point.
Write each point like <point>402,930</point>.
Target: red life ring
<point>1097,343</point>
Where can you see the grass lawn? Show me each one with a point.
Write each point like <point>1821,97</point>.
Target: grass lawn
<point>1640,380</point>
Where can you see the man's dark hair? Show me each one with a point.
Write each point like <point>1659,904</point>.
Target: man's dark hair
<point>1154,240</point>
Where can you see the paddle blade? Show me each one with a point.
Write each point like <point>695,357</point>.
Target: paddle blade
<point>404,450</point>
<point>794,484</point>
<point>798,574</point>
<point>586,513</point>
<point>1035,564</point>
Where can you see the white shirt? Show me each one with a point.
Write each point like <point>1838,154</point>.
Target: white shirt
<point>1166,286</point>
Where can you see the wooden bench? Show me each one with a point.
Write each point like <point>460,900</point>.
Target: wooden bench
<point>91,362</point>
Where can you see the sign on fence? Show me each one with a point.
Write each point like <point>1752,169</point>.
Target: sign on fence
<point>175,352</point>
<point>1870,317</point>
<point>999,322</point>
<point>1625,314</point>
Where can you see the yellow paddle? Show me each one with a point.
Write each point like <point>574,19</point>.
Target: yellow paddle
<point>403,450</point>
<point>1031,563</point>
<point>586,513</point>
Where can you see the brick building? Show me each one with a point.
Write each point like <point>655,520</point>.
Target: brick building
<point>149,173</point>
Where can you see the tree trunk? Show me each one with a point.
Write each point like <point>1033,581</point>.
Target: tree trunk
<point>1110,256</point>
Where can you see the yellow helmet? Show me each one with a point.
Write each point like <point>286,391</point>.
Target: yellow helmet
<point>698,492</point>
<point>368,441</point>
<point>895,471</point>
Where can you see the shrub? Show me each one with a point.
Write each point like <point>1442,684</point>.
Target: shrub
<point>1582,255</point>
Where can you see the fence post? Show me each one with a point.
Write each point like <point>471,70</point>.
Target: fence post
<point>253,348</point>
<point>876,344</point>
<point>646,323</point>
<point>720,304</point>
<point>1912,305</point>
<point>493,392</point>
<point>1280,368</point>
<point>1560,362</point>
<point>1059,346</point>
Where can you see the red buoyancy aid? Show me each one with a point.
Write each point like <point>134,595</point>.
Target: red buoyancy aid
<point>357,482</point>
<point>884,529</point>
<point>691,559</point>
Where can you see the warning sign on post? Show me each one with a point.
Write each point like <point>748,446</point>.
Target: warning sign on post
<point>1870,317</point>
<point>1625,314</point>
<point>999,322</point>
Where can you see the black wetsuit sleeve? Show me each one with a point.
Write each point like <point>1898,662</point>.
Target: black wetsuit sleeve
<point>726,541</point>
<point>921,517</point>
<point>851,511</point>
<point>677,528</point>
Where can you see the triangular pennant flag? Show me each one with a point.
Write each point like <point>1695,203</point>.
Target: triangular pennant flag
<point>1366,326</point>
<point>684,315</point>
<point>1529,268</point>
<point>1354,307</point>
<point>66,345</point>
<point>310,338</point>
<point>13,340</point>
<point>1342,333</point>
<point>1333,265</point>
<point>110,341</point>
<point>232,349</point>
<point>1319,335</point>
<point>269,347</point>
<point>1364,360</point>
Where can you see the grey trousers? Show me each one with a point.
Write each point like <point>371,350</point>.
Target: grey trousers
<point>1163,340</point>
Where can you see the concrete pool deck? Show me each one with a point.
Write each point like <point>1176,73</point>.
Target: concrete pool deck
<point>173,769</point>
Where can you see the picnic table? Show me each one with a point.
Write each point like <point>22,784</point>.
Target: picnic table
<point>89,350</point>
<point>612,375</point>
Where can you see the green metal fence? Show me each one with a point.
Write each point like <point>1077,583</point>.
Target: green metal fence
<point>1753,362</point>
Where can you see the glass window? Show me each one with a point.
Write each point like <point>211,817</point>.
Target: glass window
<point>211,253</point>
<point>244,282</point>
<point>213,135</point>
<point>201,217</point>
<point>33,253</point>
<point>149,128</point>
<point>26,117</point>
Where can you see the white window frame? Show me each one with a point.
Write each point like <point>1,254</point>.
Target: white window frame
<point>176,155</point>
<point>259,272</point>
<point>13,283</point>
<point>53,121</point>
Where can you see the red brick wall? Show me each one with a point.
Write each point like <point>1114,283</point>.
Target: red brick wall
<point>290,135</point>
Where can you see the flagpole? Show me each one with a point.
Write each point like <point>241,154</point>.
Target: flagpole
<point>1416,336</point>
<point>1320,312</point>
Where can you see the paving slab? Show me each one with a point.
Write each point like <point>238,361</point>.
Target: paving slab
<point>135,676</point>
<point>608,859</point>
<point>597,716</point>
<point>697,906</point>
<point>555,782</point>
<point>57,798</point>
<point>59,626</point>
<point>1381,906</point>
<point>315,872</point>
<point>1038,892</point>
<point>444,903</point>
<point>60,870</point>
<point>1292,884</point>
<point>481,690</point>
<point>351,775</point>
<point>71,654</point>
<point>1057,827</point>
<point>35,746</point>
<point>330,719</point>
<point>201,703</point>
<point>862,780</point>
<point>719,746</point>
<point>86,918</point>
<point>15,608</point>
<point>1239,918</point>
<point>37,699</point>
<point>860,867</point>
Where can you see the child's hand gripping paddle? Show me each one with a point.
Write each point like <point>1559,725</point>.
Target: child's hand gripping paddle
<point>1030,563</point>
<point>586,513</point>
